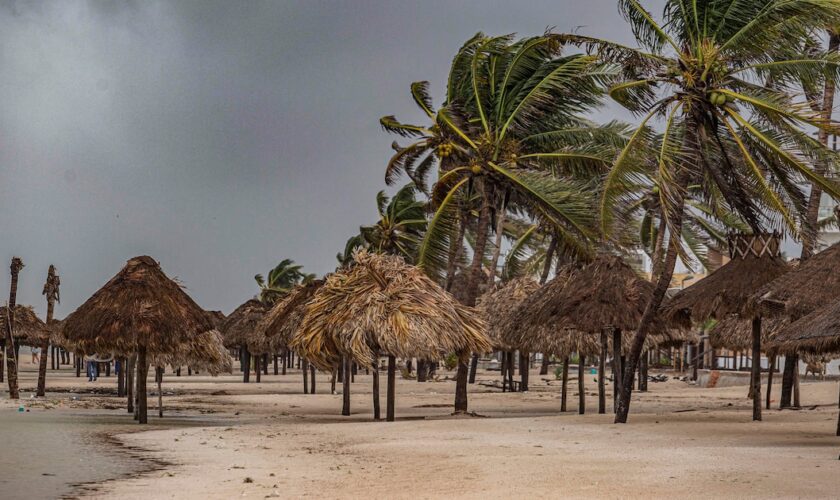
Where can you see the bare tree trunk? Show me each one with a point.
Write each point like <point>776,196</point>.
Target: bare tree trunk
<point>142,373</point>
<point>392,388</point>
<point>455,249</point>
<point>11,357</point>
<point>756,367</point>
<point>549,257</point>
<point>581,388</point>
<point>345,387</point>
<point>376,411</point>
<point>51,292</point>
<point>643,372</point>
<point>473,368</point>
<point>602,390</point>
<point>564,391</point>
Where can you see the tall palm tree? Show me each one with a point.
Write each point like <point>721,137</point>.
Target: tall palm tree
<point>725,77</point>
<point>51,292</point>
<point>11,355</point>
<point>345,257</point>
<point>281,280</point>
<point>401,224</point>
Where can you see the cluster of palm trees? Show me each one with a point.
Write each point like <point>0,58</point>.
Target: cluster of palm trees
<point>733,100</point>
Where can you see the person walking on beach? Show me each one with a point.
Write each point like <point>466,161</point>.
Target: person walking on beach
<point>36,355</point>
<point>91,368</point>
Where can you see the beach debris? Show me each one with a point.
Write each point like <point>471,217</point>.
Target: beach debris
<point>247,480</point>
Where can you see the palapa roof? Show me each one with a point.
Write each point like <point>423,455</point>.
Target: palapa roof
<point>813,284</point>
<point>755,262</point>
<point>138,306</point>
<point>498,306</point>
<point>205,352</point>
<point>242,321</point>
<point>28,328</point>
<point>217,318</point>
<point>734,332</point>
<point>818,332</point>
<point>280,324</point>
<point>384,305</point>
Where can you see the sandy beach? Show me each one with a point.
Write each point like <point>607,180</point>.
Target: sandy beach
<point>222,439</point>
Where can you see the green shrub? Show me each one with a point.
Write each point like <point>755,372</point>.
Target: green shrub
<point>451,361</point>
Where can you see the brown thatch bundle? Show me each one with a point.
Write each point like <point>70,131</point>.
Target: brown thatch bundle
<point>818,332</point>
<point>217,318</point>
<point>498,306</point>
<point>734,332</point>
<point>28,330</point>
<point>810,286</point>
<point>241,322</point>
<point>282,321</point>
<point>205,352</point>
<point>383,305</point>
<point>729,289</point>
<point>140,306</point>
<point>672,337</point>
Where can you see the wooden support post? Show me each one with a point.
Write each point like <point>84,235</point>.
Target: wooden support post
<point>616,368</point>
<point>284,360</point>
<point>376,411</point>
<point>246,365</point>
<point>510,369</point>
<point>121,378</point>
<point>276,367</point>
<point>142,374</point>
<point>159,380</point>
<point>257,371</point>
<point>756,367</point>
<point>564,390</point>
<point>771,367</point>
<point>130,383</point>
<point>392,388</point>
<point>524,370</point>
<point>581,386</point>
<point>305,370</point>
<point>312,372</point>
<point>345,409</point>
<point>602,367</point>
<point>473,368</point>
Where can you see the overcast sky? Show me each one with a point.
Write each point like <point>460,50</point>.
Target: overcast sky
<point>217,137</point>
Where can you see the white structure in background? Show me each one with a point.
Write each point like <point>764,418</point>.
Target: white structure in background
<point>831,235</point>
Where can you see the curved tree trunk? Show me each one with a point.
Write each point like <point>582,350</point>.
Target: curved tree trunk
<point>51,292</point>
<point>11,357</point>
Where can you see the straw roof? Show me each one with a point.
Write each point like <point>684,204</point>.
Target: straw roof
<point>384,305</point>
<point>735,332</point>
<point>140,306</point>
<point>242,321</point>
<point>724,292</point>
<point>282,321</point>
<point>498,306</point>
<point>205,352</point>
<point>818,332</point>
<point>813,284</point>
<point>217,318</point>
<point>28,329</point>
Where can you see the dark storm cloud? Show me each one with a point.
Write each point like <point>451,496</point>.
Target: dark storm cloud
<point>218,137</point>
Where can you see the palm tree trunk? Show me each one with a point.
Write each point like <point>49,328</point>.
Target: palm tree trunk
<point>564,390</point>
<point>51,291</point>
<point>11,358</point>
<point>549,257</point>
<point>656,260</point>
<point>473,281</point>
<point>455,249</point>
<point>142,373</point>
<point>392,388</point>
<point>756,367</point>
<point>473,368</point>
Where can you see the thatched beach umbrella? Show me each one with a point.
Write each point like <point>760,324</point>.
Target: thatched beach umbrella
<point>567,314</point>
<point>280,323</point>
<point>803,290</point>
<point>816,333</point>
<point>383,305</point>
<point>141,312</point>
<point>497,308</point>
<point>235,330</point>
<point>755,261</point>
<point>28,330</point>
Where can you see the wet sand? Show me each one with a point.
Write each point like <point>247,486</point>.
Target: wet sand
<point>274,441</point>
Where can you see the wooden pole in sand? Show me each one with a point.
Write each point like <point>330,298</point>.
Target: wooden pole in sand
<point>246,365</point>
<point>838,416</point>
<point>305,369</point>
<point>276,367</point>
<point>392,385</point>
<point>345,384</point>
<point>756,367</point>
<point>312,378</point>
<point>258,371</point>
<point>159,380</point>
<point>771,367</point>
<point>376,413</point>
<point>564,390</point>
<point>121,378</point>
<point>284,361</point>
<point>616,366</point>
<point>142,373</point>
<point>602,366</point>
<point>510,370</point>
<point>130,383</point>
<point>581,390</point>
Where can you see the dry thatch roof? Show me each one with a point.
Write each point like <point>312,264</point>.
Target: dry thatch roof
<point>242,321</point>
<point>140,306</point>
<point>726,291</point>
<point>498,306</point>
<point>205,352</point>
<point>217,318</point>
<point>384,305</point>
<point>813,284</point>
<point>818,332</point>
<point>281,323</point>
<point>734,332</point>
<point>28,329</point>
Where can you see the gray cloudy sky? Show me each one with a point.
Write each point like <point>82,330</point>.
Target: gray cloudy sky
<point>217,137</point>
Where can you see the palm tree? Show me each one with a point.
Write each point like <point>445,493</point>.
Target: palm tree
<point>724,76</point>
<point>281,280</point>
<point>11,355</point>
<point>345,258</point>
<point>509,135</point>
<point>401,224</point>
<point>51,292</point>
